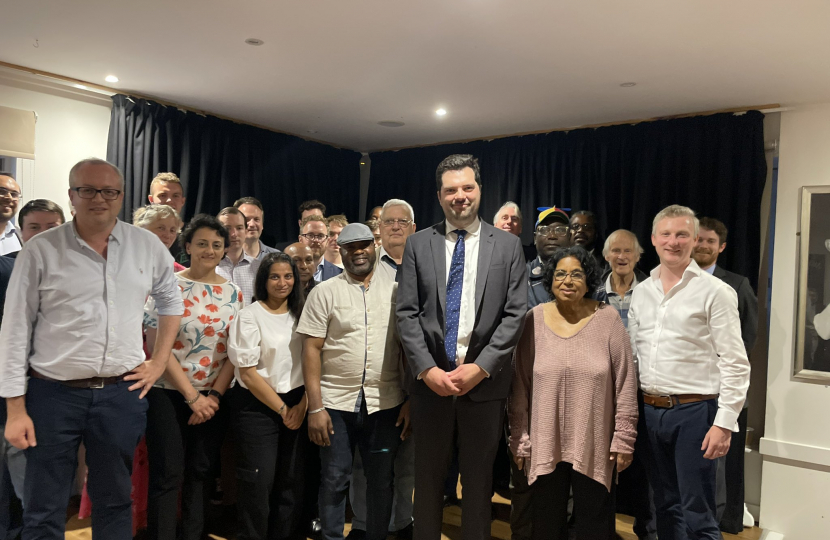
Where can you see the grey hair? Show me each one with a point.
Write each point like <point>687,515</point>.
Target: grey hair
<point>93,161</point>
<point>674,211</point>
<point>147,215</point>
<point>508,204</point>
<point>606,249</point>
<point>398,202</point>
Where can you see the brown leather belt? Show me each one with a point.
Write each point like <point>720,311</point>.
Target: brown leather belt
<point>92,382</point>
<point>667,402</point>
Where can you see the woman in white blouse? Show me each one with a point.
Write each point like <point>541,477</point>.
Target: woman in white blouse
<point>268,406</point>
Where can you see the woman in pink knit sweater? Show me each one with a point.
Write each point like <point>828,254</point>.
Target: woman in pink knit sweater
<point>573,406</point>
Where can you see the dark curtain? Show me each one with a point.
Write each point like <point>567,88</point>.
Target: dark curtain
<point>219,161</point>
<point>625,174</point>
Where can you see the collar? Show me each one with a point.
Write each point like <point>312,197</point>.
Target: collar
<point>711,269</point>
<point>385,257</point>
<point>118,232</point>
<point>608,288</point>
<point>10,229</point>
<point>691,271</point>
<point>245,257</point>
<point>472,229</point>
<point>352,281</point>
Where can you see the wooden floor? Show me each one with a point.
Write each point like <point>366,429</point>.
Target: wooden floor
<point>500,529</point>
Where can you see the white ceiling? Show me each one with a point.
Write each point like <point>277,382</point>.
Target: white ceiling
<point>331,69</point>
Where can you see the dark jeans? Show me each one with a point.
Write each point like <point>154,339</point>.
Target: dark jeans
<point>110,422</point>
<point>634,495</point>
<point>270,459</point>
<point>593,506</point>
<point>732,520</point>
<point>377,438</point>
<point>682,479</point>
<point>180,456</point>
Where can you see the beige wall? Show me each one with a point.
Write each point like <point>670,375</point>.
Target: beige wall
<point>795,493</point>
<point>70,126</point>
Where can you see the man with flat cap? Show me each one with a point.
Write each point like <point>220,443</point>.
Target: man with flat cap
<point>352,368</point>
<point>551,233</point>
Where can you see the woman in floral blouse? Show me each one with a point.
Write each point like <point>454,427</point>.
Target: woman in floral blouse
<point>186,418</point>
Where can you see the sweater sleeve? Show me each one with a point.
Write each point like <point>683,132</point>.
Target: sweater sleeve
<point>521,394</point>
<point>625,388</point>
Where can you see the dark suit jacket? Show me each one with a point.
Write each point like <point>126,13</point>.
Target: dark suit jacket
<point>330,270</point>
<point>501,305</point>
<point>747,305</point>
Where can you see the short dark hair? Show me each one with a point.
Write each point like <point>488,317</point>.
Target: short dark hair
<point>586,260</point>
<point>310,205</point>
<point>586,213</point>
<point>248,200</point>
<point>457,162</point>
<point>715,225</point>
<point>296,298</point>
<point>10,175</point>
<point>39,205</point>
<point>204,221</point>
<point>232,211</point>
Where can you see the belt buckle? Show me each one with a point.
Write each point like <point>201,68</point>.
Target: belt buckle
<point>99,384</point>
<point>670,400</point>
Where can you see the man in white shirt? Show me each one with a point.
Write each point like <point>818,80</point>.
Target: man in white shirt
<point>10,241</point>
<point>694,375</point>
<point>237,266</point>
<point>352,370</point>
<point>78,291</point>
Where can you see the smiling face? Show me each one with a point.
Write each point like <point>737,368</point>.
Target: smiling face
<point>569,281</point>
<point>622,255</point>
<point>708,248</point>
<point>37,222</point>
<point>206,249</point>
<point>254,215</point>
<point>97,211</point>
<point>508,220</point>
<point>9,199</point>
<point>358,258</point>
<point>280,281</point>
<point>167,229</point>
<point>303,257</point>
<point>674,241</point>
<point>459,196</point>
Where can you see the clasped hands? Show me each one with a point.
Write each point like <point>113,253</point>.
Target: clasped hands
<point>456,382</point>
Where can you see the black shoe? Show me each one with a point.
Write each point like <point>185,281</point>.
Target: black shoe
<point>405,533</point>
<point>315,529</point>
<point>356,534</point>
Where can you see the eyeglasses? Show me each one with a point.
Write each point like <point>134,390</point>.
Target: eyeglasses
<point>587,227</point>
<point>393,222</point>
<point>314,237</point>
<point>576,275</point>
<point>15,195</point>
<point>552,230</point>
<point>90,193</point>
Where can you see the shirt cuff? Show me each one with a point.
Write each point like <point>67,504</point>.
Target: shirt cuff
<point>423,373</point>
<point>726,419</point>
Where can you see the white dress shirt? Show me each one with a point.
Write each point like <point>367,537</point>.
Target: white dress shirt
<point>78,315</point>
<point>689,340</point>
<point>268,342</point>
<point>9,241</point>
<point>467,316</point>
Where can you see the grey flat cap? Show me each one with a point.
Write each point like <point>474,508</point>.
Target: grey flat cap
<point>355,232</point>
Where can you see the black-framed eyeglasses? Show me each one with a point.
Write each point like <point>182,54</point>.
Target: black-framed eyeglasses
<point>576,275</point>
<point>392,222</point>
<point>552,230</point>
<point>587,227</point>
<point>15,195</point>
<point>90,193</point>
<point>314,237</point>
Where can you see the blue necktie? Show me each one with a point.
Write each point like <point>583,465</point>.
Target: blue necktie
<point>454,285</point>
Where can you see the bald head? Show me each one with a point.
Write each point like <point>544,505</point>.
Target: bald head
<point>303,257</point>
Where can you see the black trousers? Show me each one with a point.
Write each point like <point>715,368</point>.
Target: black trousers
<point>270,459</point>
<point>593,506</point>
<point>180,457</point>
<point>440,424</point>
<point>732,519</point>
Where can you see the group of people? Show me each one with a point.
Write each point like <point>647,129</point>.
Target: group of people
<point>366,364</point>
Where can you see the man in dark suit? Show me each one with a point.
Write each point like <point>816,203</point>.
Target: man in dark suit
<point>710,243</point>
<point>461,304</point>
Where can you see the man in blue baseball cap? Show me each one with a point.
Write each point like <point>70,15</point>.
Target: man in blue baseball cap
<point>551,233</point>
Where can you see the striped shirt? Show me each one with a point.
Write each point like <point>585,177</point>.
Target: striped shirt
<point>621,304</point>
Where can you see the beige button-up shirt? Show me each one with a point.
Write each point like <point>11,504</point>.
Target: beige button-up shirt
<point>361,350</point>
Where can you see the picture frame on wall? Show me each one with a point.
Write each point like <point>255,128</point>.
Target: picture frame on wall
<point>812,320</point>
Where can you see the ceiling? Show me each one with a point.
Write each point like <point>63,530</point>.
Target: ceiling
<point>330,70</point>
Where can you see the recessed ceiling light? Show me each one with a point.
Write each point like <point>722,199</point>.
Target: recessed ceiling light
<point>254,41</point>
<point>82,87</point>
<point>441,112</point>
<point>111,78</point>
<point>390,123</point>
<point>628,84</point>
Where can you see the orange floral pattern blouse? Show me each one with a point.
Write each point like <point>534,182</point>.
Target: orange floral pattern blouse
<point>202,344</point>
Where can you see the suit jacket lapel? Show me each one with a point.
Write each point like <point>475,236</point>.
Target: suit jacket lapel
<point>439,258</point>
<point>485,254</point>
